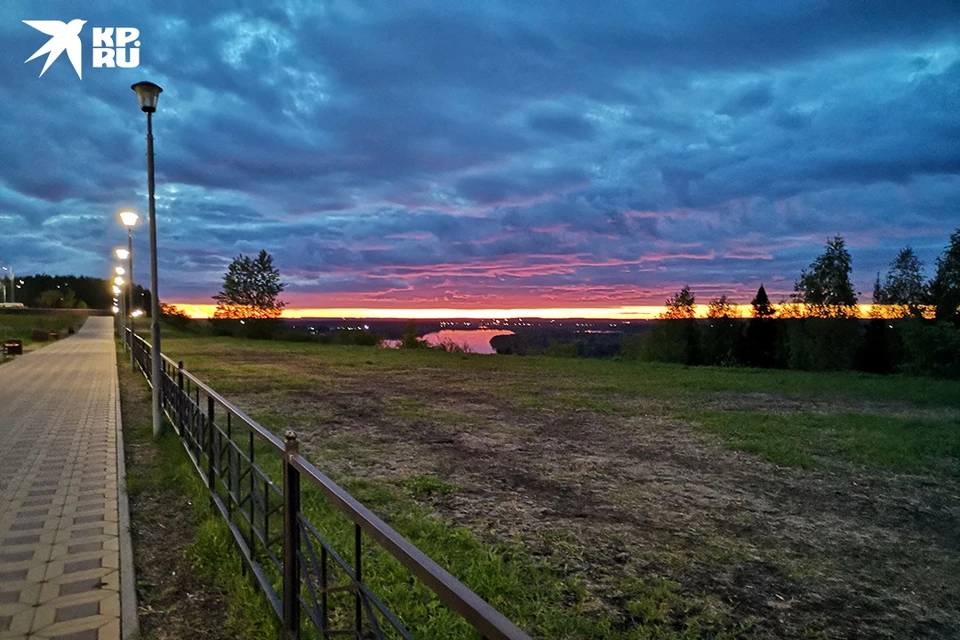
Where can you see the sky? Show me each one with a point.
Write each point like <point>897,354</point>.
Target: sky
<point>487,155</point>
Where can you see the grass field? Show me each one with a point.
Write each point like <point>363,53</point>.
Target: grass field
<point>20,326</point>
<point>598,499</point>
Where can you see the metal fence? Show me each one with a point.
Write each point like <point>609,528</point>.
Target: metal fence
<point>296,567</point>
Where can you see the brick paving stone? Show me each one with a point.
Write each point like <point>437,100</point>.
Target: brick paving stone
<point>58,574</point>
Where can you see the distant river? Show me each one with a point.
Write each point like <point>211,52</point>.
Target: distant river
<point>477,340</point>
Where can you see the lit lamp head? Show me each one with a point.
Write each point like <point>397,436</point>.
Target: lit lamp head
<point>116,309</point>
<point>147,94</point>
<point>120,271</point>
<point>129,218</point>
<point>116,290</point>
<point>122,254</point>
<point>118,280</point>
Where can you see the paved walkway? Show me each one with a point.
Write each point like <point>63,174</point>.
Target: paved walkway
<point>59,542</point>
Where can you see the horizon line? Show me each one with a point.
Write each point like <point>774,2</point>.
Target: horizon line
<point>637,312</point>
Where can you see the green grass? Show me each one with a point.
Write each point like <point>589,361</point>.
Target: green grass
<point>552,374</point>
<point>814,440</point>
<point>16,326</point>
<point>212,554</point>
<point>834,421</point>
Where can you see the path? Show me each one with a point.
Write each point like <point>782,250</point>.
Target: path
<point>59,542</point>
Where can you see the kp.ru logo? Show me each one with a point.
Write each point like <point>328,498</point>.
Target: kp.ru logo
<point>109,45</point>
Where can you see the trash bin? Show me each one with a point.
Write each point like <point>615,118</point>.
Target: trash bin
<point>13,347</point>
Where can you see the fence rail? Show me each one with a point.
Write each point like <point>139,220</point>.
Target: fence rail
<point>277,542</point>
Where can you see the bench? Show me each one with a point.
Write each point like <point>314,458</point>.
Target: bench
<point>13,347</point>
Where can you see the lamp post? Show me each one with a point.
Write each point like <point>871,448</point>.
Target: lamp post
<point>118,292</point>
<point>13,286</point>
<point>147,94</point>
<point>129,220</point>
<point>118,307</point>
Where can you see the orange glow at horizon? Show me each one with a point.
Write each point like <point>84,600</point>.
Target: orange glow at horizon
<point>205,311</point>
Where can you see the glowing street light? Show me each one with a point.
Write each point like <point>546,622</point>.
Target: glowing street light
<point>119,271</point>
<point>118,280</point>
<point>116,290</point>
<point>129,218</point>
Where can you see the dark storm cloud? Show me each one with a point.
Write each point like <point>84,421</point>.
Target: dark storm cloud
<point>749,100</point>
<point>474,152</point>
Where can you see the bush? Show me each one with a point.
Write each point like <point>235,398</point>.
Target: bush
<point>881,349</point>
<point>720,338</point>
<point>254,329</point>
<point>757,346</point>
<point>823,344</point>
<point>930,348</point>
<point>631,347</point>
<point>672,341</point>
<point>558,350</point>
<point>451,346</point>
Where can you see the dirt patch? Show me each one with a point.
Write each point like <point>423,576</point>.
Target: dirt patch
<point>173,601</point>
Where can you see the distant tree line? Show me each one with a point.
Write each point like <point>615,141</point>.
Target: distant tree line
<point>73,292</point>
<point>914,328</point>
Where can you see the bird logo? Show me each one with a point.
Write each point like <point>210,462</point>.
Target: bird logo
<point>64,37</point>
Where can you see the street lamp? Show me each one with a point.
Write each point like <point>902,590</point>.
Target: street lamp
<point>118,303</point>
<point>148,93</point>
<point>129,218</point>
<point>13,287</point>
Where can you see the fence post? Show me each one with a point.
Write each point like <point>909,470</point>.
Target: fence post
<point>179,407</point>
<point>291,540</point>
<point>211,484</point>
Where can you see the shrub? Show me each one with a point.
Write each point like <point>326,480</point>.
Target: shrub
<point>719,340</point>
<point>930,348</point>
<point>823,344</point>
<point>252,328</point>
<point>757,345</point>
<point>557,350</point>
<point>450,346</point>
<point>631,347</point>
<point>672,341</point>
<point>881,349</point>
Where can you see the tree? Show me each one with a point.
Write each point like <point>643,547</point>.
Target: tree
<point>174,315</point>
<point>410,339</point>
<point>945,288</point>
<point>680,305</point>
<point>761,304</point>
<point>719,336</point>
<point>250,289</point>
<point>721,308</point>
<point>57,299</point>
<point>824,288</point>
<point>904,289</point>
